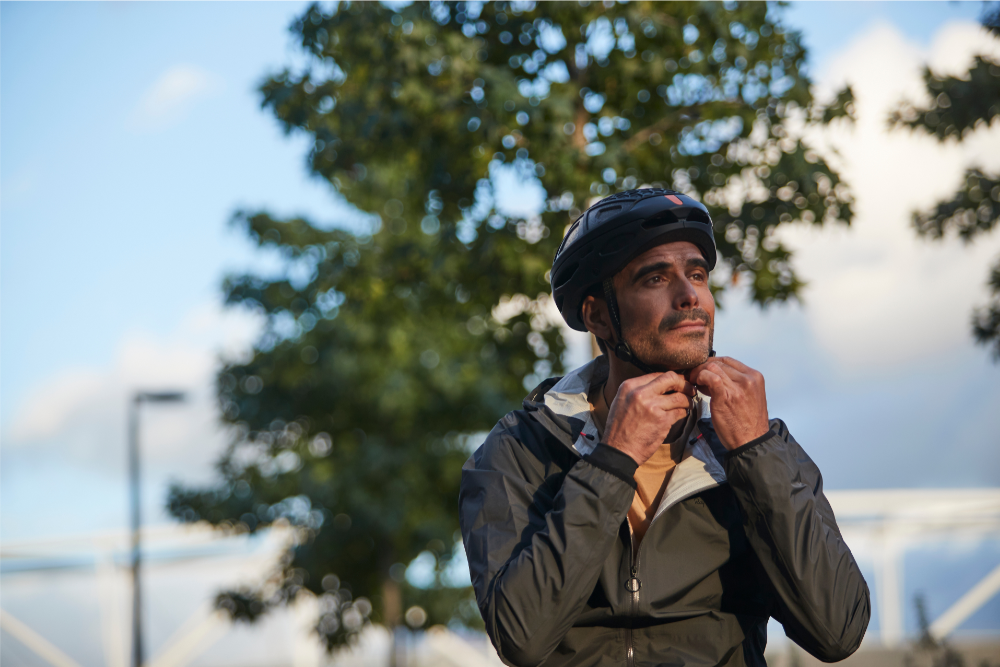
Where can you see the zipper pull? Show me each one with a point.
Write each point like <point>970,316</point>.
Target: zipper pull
<point>633,584</point>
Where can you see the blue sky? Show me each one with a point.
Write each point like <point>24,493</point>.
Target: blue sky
<point>132,131</point>
<point>113,220</point>
<point>829,26</point>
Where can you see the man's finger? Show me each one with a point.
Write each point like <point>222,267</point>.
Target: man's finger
<point>674,416</point>
<point>734,363</point>
<point>695,373</point>
<point>675,401</point>
<point>721,368</point>
<point>665,382</point>
<point>709,379</point>
<point>730,364</point>
<point>734,373</point>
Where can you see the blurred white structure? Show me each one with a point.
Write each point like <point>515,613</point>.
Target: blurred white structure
<point>70,588</point>
<point>187,565</point>
<point>886,523</point>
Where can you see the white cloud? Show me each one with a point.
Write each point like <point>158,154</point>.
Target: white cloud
<point>956,43</point>
<point>171,97</point>
<point>80,415</point>
<point>64,448</point>
<point>877,294</point>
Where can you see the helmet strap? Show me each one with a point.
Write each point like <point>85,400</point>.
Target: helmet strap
<point>621,348</point>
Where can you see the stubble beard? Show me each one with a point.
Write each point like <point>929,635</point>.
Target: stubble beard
<point>693,349</point>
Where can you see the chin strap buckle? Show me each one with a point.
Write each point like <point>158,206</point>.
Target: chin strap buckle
<point>624,352</point>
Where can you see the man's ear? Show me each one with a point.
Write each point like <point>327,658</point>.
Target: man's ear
<point>596,317</point>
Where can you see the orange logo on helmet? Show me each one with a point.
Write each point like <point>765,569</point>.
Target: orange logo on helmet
<point>676,200</point>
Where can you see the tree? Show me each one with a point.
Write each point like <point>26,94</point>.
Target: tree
<point>958,107</point>
<point>385,348</point>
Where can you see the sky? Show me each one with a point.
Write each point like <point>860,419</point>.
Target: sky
<point>131,132</point>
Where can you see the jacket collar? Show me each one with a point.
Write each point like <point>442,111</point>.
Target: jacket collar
<point>698,470</point>
<point>563,409</point>
<point>562,403</point>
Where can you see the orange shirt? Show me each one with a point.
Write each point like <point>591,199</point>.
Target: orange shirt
<point>651,477</point>
<point>651,480</point>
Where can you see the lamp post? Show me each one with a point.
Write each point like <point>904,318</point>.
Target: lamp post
<point>138,399</point>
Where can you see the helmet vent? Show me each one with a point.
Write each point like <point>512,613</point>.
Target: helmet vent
<point>616,244</point>
<point>570,236</point>
<point>607,212</point>
<point>662,218</point>
<point>565,275</point>
<point>697,215</point>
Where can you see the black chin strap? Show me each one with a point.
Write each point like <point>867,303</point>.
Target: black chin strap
<point>622,349</point>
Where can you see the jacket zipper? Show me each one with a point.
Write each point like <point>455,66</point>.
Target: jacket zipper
<point>632,586</point>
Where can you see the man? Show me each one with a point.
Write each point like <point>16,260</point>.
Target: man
<point>615,520</point>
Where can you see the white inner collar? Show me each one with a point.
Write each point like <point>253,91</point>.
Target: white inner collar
<point>698,469</point>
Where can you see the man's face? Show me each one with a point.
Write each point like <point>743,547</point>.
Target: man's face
<point>667,308</point>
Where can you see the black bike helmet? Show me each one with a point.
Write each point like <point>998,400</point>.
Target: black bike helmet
<point>610,234</point>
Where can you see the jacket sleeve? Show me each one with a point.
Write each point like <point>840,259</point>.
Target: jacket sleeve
<point>535,557</point>
<point>823,600</point>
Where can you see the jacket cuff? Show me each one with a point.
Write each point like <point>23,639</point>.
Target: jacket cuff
<point>750,445</point>
<point>613,461</point>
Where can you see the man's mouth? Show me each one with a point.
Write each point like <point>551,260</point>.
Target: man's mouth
<point>689,324</point>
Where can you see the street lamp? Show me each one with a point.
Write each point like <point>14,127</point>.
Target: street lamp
<point>138,399</point>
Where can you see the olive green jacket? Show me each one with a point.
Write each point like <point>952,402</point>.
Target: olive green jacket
<point>738,537</point>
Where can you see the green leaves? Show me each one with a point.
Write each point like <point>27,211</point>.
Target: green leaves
<point>385,346</point>
<point>986,320</point>
<point>435,99</point>
<point>974,210</point>
<point>960,106</point>
<point>842,106</point>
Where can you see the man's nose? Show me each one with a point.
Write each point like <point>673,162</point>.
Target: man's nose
<point>685,298</point>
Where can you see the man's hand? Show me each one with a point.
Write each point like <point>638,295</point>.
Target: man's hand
<point>739,404</point>
<point>643,412</point>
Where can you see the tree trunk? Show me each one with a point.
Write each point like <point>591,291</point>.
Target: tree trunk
<point>392,614</point>
<point>392,603</point>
